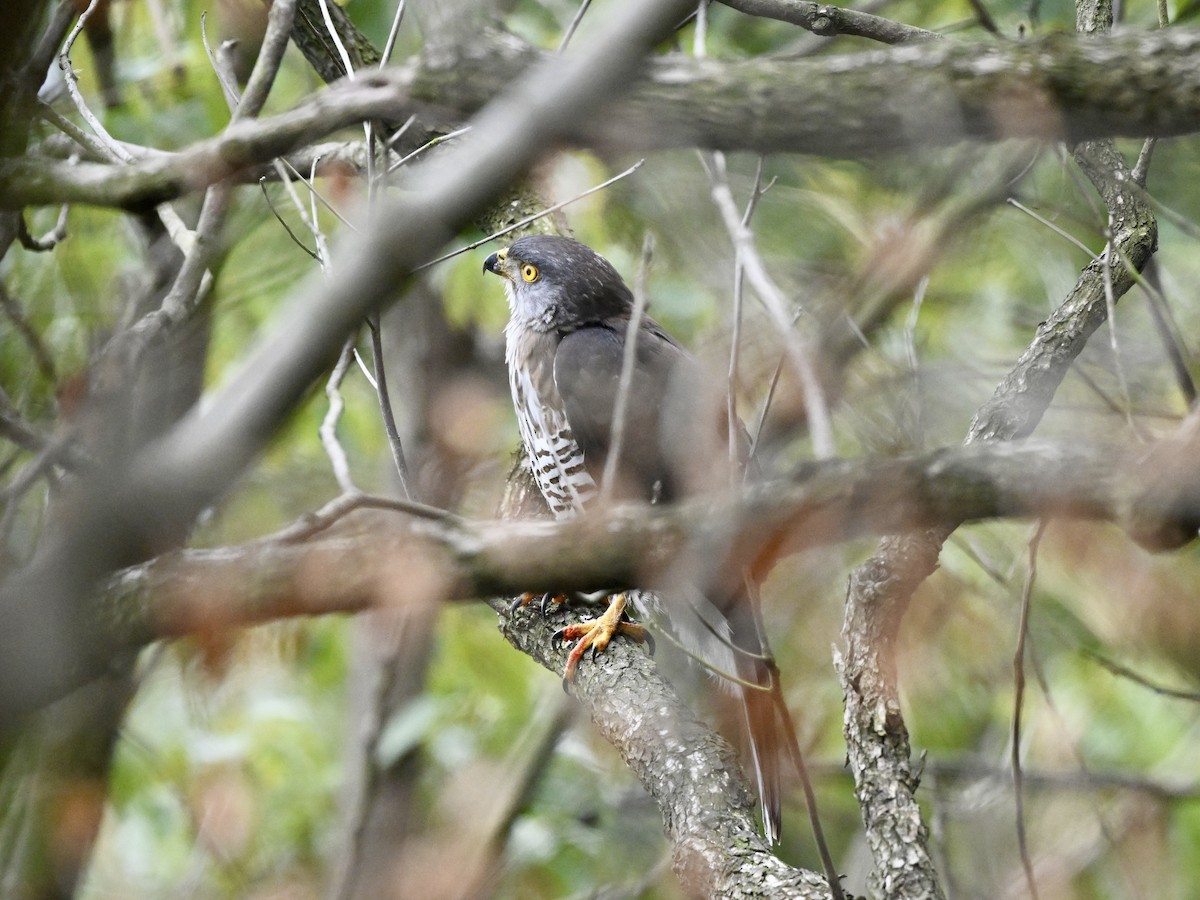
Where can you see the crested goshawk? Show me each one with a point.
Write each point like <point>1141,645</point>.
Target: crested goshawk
<point>565,345</point>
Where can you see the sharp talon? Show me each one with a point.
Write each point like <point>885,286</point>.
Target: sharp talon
<point>650,643</point>
<point>516,604</point>
<point>547,599</point>
<point>566,684</point>
<point>558,635</point>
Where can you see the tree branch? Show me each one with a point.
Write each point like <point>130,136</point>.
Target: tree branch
<point>931,95</point>
<point>830,21</point>
<point>450,558</point>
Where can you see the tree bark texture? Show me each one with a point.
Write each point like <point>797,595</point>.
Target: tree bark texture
<point>933,94</point>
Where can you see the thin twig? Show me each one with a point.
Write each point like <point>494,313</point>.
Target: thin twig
<point>533,218</point>
<point>221,67</point>
<point>365,370</point>
<point>262,183</point>
<point>13,428</point>
<point>1141,168</point>
<point>50,239</point>
<point>700,34</point>
<point>776,305</point>
<point>1110,303</point>
<point>313,523</point>
<point>428,145</point>
<point>570,33</point>
<point>372,181</point>
<point>1012,201</point>
<point>910,345</point>
<point>385,407</point>
<point>1168,329</point>
<point>337,39</point>
<point>628,363</point>
<point>316,195</point>
<point>984,17</point>
<point>1125,672</point>
<point>12,309</point>
<point>111,145</point>
<point>1018,703</point>
<point>314,218</point>
<point>60,449</point>
<point>810,795</point>
<point>756,436</point>
<point>393,33</point>
<point>328,430</point>
<point>93,145</point>
<point>733,432</point>
<point>735,340</point>
<point>1168,332</point>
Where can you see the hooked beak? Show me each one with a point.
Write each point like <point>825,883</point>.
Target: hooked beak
<point>495,263</point>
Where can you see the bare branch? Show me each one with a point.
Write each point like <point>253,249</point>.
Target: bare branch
<point>1125,672</point>
<point>776,305</point>
<point>823,503</point>
<point>328,429</point>
<point>936,94</point>
<point>829,21</point>
<point>1018,707</point>
<point>625,383</point>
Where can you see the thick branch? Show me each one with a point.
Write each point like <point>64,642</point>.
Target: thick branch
<point>690,771</point>
<point>933,94</point>
<point>455,559</point>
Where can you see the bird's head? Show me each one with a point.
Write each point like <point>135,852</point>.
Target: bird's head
<point>558,283</point>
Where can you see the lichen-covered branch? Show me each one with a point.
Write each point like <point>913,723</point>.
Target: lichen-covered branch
<point>689,770</point>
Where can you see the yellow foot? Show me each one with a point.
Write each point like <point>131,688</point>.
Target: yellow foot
<point>595,634</point>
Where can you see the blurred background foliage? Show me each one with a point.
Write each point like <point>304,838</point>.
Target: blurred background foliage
<point>230,774</point>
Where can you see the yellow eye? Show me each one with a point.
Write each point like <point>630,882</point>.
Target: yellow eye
<point>530,272</point>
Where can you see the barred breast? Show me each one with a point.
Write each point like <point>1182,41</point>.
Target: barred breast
<point>557,460</point>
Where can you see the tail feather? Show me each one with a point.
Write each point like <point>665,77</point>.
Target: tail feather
<point>766,744</point>
<point>760,701</point>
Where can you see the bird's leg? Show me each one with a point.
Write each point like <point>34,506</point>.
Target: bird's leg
<point>596,634</point>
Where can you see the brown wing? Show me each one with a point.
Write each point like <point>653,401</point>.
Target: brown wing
<point>676,445</point>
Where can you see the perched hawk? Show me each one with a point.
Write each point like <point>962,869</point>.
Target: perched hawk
<point>565,344</point>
